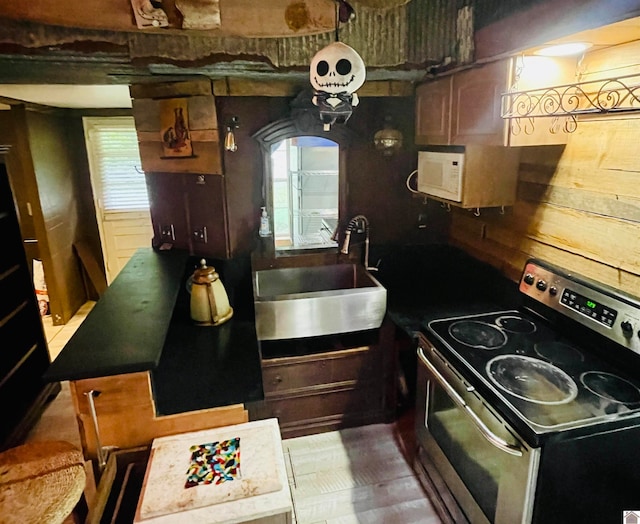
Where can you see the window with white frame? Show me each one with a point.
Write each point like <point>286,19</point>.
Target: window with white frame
<point>114,158</point>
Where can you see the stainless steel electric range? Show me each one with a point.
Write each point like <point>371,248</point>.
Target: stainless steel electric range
<point>533,414</point>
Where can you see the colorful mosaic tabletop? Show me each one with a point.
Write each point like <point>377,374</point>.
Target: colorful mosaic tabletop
<point>214,463</point>
<point>204,468</point>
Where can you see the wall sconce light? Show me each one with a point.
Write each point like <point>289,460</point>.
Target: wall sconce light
<point>388,139</point>
<point>568,49</point>
<point>230,137</point>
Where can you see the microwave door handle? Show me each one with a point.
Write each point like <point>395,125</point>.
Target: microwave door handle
<point>489,435</point>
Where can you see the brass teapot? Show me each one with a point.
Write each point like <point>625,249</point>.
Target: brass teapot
<point>209,301</point>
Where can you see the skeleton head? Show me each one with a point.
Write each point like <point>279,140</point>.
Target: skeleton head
<point>337,68</point>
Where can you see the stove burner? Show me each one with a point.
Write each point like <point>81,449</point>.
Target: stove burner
<point>531,379</point>
<point>558,353</point>
<point>610,387</point>
<point>516,324</point>
<point>478,334</point>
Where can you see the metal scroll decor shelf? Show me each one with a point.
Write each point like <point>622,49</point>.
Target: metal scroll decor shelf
<point>564,103</point>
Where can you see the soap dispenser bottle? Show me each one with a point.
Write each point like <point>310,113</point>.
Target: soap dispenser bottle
<point>265,228</point>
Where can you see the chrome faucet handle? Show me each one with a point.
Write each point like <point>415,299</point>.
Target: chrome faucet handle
<point>345,245</point>
<point>336,232</point>
<point>376,267</point>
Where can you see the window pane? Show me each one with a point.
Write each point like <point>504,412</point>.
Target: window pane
<point>113,150</point>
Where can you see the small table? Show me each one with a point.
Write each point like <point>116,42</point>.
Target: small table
<point>231,474</point>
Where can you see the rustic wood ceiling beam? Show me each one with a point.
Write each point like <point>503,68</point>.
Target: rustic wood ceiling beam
<point>397,43</point>
<point>246,18</point>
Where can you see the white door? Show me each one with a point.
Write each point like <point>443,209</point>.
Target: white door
<point>119,189</point>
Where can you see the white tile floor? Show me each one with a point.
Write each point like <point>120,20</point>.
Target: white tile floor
<point>58,336</point>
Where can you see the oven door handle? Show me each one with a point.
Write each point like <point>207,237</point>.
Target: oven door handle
<point>489,435</point>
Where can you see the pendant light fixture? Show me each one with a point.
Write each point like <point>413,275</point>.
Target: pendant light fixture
<point>388,139</point>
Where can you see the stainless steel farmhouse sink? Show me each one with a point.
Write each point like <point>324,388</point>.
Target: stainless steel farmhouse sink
<point>318,300</point>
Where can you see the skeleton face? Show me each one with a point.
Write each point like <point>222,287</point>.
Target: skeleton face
<point>337,68</point>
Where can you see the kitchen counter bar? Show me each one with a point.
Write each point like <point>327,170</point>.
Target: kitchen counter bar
<point>126,330</point>
<point>142,323</point>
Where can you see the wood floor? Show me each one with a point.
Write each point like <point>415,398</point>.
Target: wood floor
<point>357,475</point>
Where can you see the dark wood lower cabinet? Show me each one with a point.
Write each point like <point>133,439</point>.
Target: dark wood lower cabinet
<point>23,348</point>
<point>345,385</point>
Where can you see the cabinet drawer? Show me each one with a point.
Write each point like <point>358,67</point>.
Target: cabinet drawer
<point>19,390</point>
<point>19,338</point>
<point>340,403</point>
<point>15,288</point>
<point>287,374</point>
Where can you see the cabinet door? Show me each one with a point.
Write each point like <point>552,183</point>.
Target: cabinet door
<point>166,199</point>
<point>476,103</point>
<point>433,112</point>
<point>206,215</point>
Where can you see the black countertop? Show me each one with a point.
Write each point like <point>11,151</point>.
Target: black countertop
<point>142,323</point>
<point>125,331</point>
<point>210,366</point>
<point>425,283</point>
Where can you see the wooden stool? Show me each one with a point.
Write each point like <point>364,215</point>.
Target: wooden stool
<point>40,482</point>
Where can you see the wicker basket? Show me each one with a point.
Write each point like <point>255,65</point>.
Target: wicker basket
<point>40,482</point>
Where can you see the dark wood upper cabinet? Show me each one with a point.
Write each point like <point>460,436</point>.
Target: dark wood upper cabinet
<point>475,105</point>
<point>186,187</point>
<point>463,108</point>
<point>433,112</point>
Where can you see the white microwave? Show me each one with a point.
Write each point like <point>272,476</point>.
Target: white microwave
<point>440,174</point>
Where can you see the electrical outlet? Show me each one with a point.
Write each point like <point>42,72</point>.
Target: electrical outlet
<point>167,232</point>
<point>200,235</point>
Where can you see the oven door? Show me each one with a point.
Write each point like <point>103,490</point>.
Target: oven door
<point>486,466</point>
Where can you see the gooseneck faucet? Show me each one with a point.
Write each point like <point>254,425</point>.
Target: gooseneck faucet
<point>358,224</point>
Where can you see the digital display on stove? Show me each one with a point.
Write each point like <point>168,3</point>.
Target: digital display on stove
<point>592,309</point>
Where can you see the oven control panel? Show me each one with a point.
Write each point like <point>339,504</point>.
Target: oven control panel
<point>601,308</point>
<point>589,307</point>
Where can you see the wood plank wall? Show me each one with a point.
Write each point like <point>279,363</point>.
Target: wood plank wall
<point>578,205</point>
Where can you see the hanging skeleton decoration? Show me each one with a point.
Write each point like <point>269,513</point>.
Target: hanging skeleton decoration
<point>336,73</point>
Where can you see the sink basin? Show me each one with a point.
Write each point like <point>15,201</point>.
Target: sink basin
<point>315,301</point>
